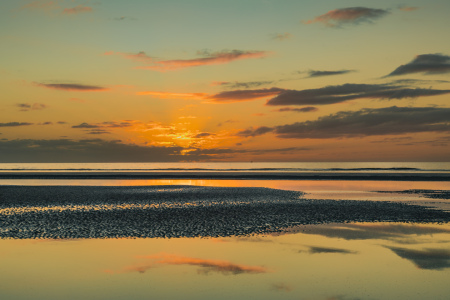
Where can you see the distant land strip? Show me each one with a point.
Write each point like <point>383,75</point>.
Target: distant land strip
<point>258,175</point>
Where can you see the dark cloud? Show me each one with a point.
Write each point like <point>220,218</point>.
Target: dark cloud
<point>86,125</point>
<point>72,87</point>
<point>366,122</point>
<point>314,73</point>
<point>245,85</point>
<point>348,15</point>
<point>15,124</point>
<point>345,92</point>
<point>61,122</point>
<point>203,135</point>
<point>425,63</point>
<point>383,121</point>
<point>46,123</point>
<point>316,250</point>
<point>89,150</point>
<point>29,106</point>
<point>243,95</point>
<point>303,109</point>
<point>251,132</point>
<point>428,259</point>
<point>98,132</point>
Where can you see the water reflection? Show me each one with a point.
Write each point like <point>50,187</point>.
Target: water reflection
<point>333,261</point>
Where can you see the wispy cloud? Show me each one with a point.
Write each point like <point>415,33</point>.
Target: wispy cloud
<point>209,58</point>
<point>77,9</point>
<point>313,73</point>
<point>303,109</point>
<point>366,122</point>
<point>170,95</point>
<point>349,91</point>
<point>242,85</point>
<point>72,87</point>
<point>15,124</point>
<point>349,15</point>
<point>408,8</point>
<point>282,36</point>
<point>140,56</point>
<point>29,106</point>
<point>425,63</point>
<point>244,95</point>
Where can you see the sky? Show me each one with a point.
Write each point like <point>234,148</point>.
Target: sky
<point>212,80</point>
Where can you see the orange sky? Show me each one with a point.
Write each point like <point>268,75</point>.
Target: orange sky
<point>84,81</point>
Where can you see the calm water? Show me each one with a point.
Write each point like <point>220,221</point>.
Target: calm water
<point>330,261</point>
<point>257,166</point>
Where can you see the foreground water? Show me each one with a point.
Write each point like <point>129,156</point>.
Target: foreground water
<point>332,261</point>
<point>342,261</point>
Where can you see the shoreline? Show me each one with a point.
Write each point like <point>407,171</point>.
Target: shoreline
<point>257,175</point>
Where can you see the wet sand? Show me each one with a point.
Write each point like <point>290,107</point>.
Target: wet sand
<point>261,175</point>
<point>181,211</point>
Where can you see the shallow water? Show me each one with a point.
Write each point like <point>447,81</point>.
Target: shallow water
<point>334,261</point>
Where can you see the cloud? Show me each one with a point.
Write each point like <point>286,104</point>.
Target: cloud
<point>281,287</point>
<point>428,259</point>
<point>349,15</point>
<point>366,122</point>
<point>85,125</point>
<point>342,93</point>
<point>140,56</point>
<point>244,85</point>
<point>244,95</point>
<point>210,58</point>
<point>425,63</point>
<point>72,87</point>
<point>252,132</point>
<point>169,95</point>
<point>408,8</point>
<point>15,124</point>
<point>88,150</point>
<point>124,18</point>
<point>41,5</point>
<point>313,73</point>
<point>207,265</point>
<point>316,250</point>
<point>282,36</point>
<point>46,123</point>
<point>203,135</point>
<point>303,109</point>
<point>77,9</point>
<point>28,106</point>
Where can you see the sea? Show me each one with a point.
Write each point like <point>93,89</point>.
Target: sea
<point>378,167</point>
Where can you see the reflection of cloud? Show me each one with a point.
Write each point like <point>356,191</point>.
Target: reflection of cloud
<point>210,58</point>
<point>315,250</point>
<point>72,87</point>
<point>206,265</point>
<point>428,259</point>
<point>425,63</point>
<point>373,231</point>
<point>281,287</point>
<point>349,15</point>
